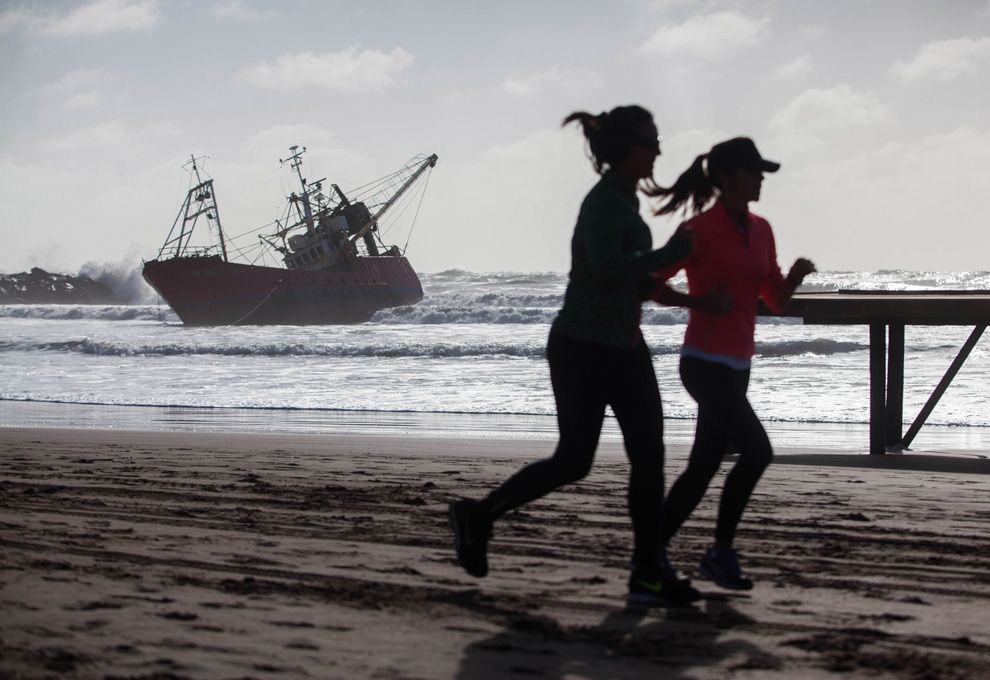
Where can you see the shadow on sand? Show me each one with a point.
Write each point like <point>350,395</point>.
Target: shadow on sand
<point>628,644</point>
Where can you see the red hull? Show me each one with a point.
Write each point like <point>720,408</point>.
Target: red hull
<point>206,291</point>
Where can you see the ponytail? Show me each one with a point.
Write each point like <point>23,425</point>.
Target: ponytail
<point>610,134</point>
<point>694,186</point>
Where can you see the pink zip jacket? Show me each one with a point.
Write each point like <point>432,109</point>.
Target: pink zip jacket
<point>747,268</point>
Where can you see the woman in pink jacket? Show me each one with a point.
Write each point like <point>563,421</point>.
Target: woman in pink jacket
<point>732,265</point>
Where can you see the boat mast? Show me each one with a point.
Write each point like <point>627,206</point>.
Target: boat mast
<point>205,195</point>
<point>306,213</point>
<point>428,163</point>
<point>200,200</point>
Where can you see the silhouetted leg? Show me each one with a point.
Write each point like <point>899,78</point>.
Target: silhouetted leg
<point>703,382</point>
<point>755,453</point>
<point>635,399</point>
<point>577,374</point>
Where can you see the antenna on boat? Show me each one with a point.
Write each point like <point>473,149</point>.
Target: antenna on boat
<point>306,214</point>
<point>195,168</point>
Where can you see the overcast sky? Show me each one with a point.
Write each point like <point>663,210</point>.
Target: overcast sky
<point>877,110</point>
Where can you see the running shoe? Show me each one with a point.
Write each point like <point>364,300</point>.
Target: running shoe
<point>654,590</point>
<point>721,565</point>
<point>471,533</point>
<point>669,572</point>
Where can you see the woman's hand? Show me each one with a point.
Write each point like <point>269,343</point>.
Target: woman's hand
<point>800,269</point>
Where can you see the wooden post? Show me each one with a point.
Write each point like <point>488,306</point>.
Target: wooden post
<point>895,388</point>
<point>878,352</point>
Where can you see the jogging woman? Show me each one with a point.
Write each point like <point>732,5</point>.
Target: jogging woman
<point>598,358</point>
<point>733,253</point>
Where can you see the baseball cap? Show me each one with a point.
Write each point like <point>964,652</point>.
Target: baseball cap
<point>738,152</point>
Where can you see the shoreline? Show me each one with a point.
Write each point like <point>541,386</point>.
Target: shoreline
<point>203,555</point>
<point>840,437</point>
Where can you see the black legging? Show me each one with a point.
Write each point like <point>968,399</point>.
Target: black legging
<point>586,377</point>
<point>724,416</point>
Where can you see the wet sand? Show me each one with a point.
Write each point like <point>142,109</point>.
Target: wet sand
<point>185,555</point>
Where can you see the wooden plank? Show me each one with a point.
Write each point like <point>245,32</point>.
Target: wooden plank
<point>865,307</point>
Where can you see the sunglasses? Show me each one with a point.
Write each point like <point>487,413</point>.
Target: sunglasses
<point>649,143</point>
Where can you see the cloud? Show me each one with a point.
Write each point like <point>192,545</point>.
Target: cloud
<point>665,5</point>
<point>100,16</point>
<point>830,109</point>
<point>324,156</point>
<point>111,134</point>
<point>797,67</point>
<point>112,140</point>
<point>945,59</point>
<point>104,16</point>
<point>542,170</point>
<point>347,71</point>
<point>239,9</point>
<point>708,36</point>
<point>76,89</point>
<point>555,77</point>
<point>20,20</point>
<point>906,204</point>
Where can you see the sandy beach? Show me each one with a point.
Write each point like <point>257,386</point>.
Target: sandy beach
<point>185,555</point>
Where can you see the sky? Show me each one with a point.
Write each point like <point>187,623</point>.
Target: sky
<point>876,109</point>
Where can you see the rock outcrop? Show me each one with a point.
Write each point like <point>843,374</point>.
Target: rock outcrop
<point>38,287</point>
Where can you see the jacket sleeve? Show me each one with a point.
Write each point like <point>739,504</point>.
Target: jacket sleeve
<point>605,254</point>
<point>659,277</point>
<point>776,290</point>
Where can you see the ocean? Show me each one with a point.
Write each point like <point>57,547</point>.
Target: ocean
<point>468,358</point>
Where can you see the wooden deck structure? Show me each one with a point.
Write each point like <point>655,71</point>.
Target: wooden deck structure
<point>887,313</point>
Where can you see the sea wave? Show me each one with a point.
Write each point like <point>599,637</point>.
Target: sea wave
<point>498,314</point>
<point>93,312</point>
<point>394,350</point>
<point>818,346</point>
<point>299,413</point>
<point>89,346</point>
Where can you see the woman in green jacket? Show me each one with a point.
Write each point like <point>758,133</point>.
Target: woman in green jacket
<point>598,358</point>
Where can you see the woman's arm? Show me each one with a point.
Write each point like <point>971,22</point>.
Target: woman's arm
<point>715,301</point>
<point>606,257</point>
<point>779,292</point>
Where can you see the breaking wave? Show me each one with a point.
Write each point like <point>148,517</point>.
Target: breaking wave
<point>535,349</point>
<point>92,312</point>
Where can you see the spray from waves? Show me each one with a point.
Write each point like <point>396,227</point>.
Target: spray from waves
<point>91,312</point>
<point>123,278</point>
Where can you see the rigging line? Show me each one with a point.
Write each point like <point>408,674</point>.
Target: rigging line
<point>373,183</point>
<point>252,230</point>
<point>406,169</point>
<point>272,292</point>
<point>425,184</point>
<point>396,214</point>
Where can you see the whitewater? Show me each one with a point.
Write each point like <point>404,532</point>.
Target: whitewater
<point>473,346</point>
